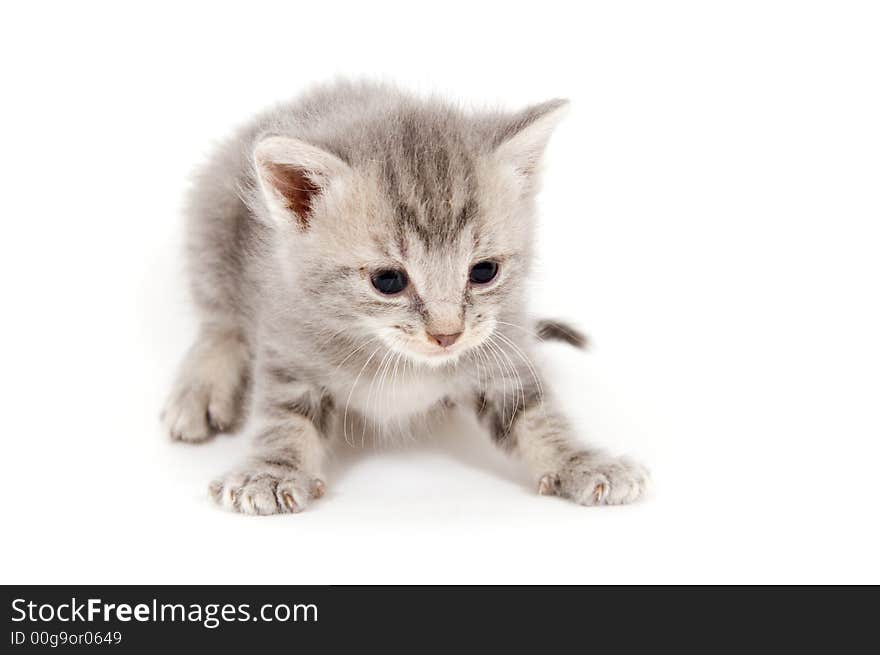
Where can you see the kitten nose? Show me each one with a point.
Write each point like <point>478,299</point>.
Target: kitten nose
<point>444,340</point>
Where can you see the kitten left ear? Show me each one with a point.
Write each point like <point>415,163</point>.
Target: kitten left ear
<point>521,139</point>
<point>292,174</point>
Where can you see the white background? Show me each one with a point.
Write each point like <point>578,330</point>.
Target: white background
<point>710,217</point>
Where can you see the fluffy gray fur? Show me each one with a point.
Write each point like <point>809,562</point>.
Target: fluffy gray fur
<point>287,224</point>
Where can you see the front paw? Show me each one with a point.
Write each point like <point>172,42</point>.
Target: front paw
<point>589,479</point>
<point>266,490</point>
<point>207,397</point>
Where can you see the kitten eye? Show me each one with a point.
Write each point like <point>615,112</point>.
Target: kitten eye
<point>483,272</point>
<point>389,281</point>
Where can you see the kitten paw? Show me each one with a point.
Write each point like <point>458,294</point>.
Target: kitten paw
<point>589,480</point>
<point>262,491</point>
<point>207,396</point>
<point>187,418</point>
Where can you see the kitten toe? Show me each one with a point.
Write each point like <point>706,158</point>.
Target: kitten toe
<point>186,419</point>
<point>222,412</point>
<point>318,489</point>
<point>548,485</point>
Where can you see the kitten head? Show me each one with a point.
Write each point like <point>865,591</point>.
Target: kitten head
<point>411,224</point>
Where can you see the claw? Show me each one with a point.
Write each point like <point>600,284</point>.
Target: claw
<point>289,501</point>
<point>214,424</point>
<point>599,492</point>
<point>215,489</point>
<point>318,488</point>
<point>547,485</point>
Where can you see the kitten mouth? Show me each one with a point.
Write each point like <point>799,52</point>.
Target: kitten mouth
<point>436,354</point>
<point>432,352</point>
<point>451,350</point>
<point>438,351</point>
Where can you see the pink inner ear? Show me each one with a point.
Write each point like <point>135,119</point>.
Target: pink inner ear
<point>295,187</point>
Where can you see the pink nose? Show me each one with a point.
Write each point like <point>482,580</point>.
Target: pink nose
<point>444,340</point>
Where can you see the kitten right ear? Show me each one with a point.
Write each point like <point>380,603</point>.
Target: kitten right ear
<point>520,139</point>
<point>292,175</point>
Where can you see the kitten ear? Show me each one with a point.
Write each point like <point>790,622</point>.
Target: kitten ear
<point>292,174</point>
<point>520,139</point>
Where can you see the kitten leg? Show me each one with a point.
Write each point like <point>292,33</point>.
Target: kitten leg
<point>539,435</point>
<point>207,396</point>
<point>284,472</point>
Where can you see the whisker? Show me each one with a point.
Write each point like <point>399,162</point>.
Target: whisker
<point>353,352</point>
<point>531,333</point>
<point>493,350</point>
<point>368,403</point>
<point>332,335</point>
<point>525,359</point>
<point>528,363</point>
<point>348,401</point>
<point>380,389</point>
<point>394,390</point>
<point>518,380</point>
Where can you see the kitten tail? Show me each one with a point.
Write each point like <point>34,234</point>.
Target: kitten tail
<point>559,331</point>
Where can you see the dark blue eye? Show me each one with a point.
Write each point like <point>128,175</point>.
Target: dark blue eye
<point>389,281</point>
<point>483,272</point>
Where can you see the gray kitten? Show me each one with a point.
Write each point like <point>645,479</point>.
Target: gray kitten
<point>358,258</point>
